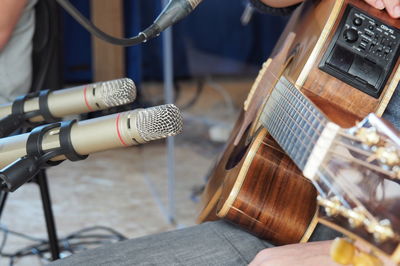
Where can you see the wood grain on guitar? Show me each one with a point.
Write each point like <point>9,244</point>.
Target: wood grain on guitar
<point>271,189</point>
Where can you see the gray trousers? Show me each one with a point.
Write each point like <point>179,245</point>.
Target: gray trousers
<point>212,243</point>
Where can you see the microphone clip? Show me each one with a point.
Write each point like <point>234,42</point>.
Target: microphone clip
<point>24,169</point>
<point>19,117</point>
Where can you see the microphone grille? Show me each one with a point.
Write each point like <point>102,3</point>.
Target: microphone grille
<point>159,122</point>
<point>117,92</point>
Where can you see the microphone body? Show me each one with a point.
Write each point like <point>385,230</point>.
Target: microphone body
<point>171,14</point>
<point>103,133</point>
<point>81,99</point>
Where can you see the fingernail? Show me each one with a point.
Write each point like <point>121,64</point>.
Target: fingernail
<point>396,11</point>
<point>379,4</point>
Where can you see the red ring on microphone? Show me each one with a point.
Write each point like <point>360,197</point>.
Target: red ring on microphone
<point>119,132</point>
<point>86,100</point>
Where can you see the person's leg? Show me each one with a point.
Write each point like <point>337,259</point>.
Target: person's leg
<point>213,243</point>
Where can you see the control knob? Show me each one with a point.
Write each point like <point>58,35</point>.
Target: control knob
<point>350,35</point>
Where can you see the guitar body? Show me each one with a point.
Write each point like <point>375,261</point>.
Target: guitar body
<point>254,184</point>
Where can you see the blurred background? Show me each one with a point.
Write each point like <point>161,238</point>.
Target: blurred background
<point>216,58</point>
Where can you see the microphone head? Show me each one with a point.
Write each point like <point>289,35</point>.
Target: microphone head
<point>116,92</point>
<point>159,122</point>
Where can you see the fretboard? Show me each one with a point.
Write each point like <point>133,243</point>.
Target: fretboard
<point>293,121</point>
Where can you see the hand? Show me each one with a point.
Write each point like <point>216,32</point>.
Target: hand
<point>392,6</point>
<point>310,254</point>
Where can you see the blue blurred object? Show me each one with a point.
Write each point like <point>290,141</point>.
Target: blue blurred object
<point>77,47</point>
<point>211,41</point>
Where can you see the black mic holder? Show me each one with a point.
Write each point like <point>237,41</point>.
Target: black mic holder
<point>24,169</point>
<point>18,118</point>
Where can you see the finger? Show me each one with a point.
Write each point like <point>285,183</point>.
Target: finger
<point>379,4</point>
<point>392,7</point>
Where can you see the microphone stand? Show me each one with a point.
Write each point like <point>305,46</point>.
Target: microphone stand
<point>32,167</point>
<point>168,76</point>
<point>41,180</point>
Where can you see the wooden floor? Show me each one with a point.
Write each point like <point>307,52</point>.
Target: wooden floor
<point>116,188</point>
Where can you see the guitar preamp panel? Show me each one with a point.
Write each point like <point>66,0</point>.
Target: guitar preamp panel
<point>362,52</point>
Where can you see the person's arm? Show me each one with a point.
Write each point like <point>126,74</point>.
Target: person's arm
<point>11,11</point>
<point>392,6</point>
<point>281,3</point>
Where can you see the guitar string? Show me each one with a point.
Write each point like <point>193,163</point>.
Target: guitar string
<point>280,106</point>
<point>361,162</point>
<point>340,132</point>
<point>341,198</point>
<point>356,201</point>
<point>296,96</point>
<point>337,142</point>
<point>294,136</point>
<point>344,202</point>
<point>370,166</point>
<point>300,97</point>
<point>354,148</point>
<point>289,103</point>
<point>331,189</point>
<point>344,135</point>
<point>295,108</point>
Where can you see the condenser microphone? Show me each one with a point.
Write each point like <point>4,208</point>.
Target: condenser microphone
<point>49,106</point>
<point>93,135</point>
<point>171,14</point>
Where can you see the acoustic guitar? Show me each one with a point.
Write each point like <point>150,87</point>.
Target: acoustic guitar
<point>336,62</point>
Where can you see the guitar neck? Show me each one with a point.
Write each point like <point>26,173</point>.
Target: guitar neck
<point>293,121</point>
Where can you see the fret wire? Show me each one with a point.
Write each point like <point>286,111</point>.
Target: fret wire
<point>275,106</point>
<point>278,91</point>
<point>290,117</point>
<point>306,103</point>
<point>274,122</point>
<point>278,129</point>
<point>349,158</point>
<point>275,78</point>
<point>279,80</point>
<point>294,107</point>
<point>287,140</point>
<point>282,125</point>
<point>282,120</point>
<point>305,120</point>
<point>315,136</point>
<point>355,200</point>
<point>300,140</point>
<point>273,98</point>
<point>266,114</point>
